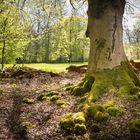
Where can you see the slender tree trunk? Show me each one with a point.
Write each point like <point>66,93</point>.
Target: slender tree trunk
<point>137,45</point>
<point>70,39</point>
<point>3,54</point>
<point>48,48</point>
<point>24,1</point>
<point>47,57</point>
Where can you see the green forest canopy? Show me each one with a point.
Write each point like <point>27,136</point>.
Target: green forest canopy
<point>49,32</point>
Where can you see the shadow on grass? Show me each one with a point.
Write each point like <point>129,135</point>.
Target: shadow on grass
<point>13,122</point>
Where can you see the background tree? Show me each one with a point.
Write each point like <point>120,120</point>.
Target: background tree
<point>12,31</point>
<point>60,34</point>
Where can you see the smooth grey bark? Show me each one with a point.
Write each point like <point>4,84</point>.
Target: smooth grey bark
<point>106,33</point>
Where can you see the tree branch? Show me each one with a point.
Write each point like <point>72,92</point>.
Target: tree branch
<point>71,3</point>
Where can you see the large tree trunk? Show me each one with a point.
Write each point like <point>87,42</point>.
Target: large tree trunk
<point>105,33</point>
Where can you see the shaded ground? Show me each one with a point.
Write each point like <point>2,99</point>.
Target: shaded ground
<point>43,117</point>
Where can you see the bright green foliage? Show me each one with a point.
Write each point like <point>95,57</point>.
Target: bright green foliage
<point>49,67</point>
<point>69,40</point>
<point>12,31</point>
<point>132,48</point>
<point>42,31</point>
<point>64,41</point>
<point>134,126</point>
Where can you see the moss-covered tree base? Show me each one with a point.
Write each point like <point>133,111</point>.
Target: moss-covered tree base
<point>121,81</point>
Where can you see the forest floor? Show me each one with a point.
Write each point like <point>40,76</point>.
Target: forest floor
<point>42,117</point>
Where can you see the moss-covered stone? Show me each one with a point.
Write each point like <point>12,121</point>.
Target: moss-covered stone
<point>42,96</point>
<point>48,95</point>
<point>80,129</point>
<point>27,101</point>
<point>71,122</point>
<point>134,126</point>
<point>110,103</point>
<point>25,126</point>
<point>101,117</point>
<point>93,109</point>
<point>114,111</point>
<point>54,97</point>
<point>95,127</point>
<point>67,123</point>
<point>60,102</point>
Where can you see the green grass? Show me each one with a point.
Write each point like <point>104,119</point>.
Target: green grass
<point>136,60</point>
<point>48,67</point>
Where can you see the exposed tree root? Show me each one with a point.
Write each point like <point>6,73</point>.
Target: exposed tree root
<point>83,87</point>
<point>79,69</point>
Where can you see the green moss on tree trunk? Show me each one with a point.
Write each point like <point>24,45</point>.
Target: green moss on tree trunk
<point>121,80</point>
